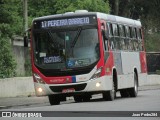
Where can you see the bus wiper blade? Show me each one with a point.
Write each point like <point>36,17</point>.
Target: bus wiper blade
<point>76,38</point>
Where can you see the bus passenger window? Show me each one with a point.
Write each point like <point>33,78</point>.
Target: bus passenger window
<point>111,36</point>
<point>130,32</point>
<point>121,31</point>
<point>110,29</point>
<point>115,29</point>
<point>127,36</point>
<point>135,45</point>
<point>122,37</point>
<point>135,31</point>
<point>112,45</point>
<point>116,37</point>
<point>140,45</point>
<point>127,31</point>
<point>131,45</point>
<point>124,30</point>
<point>139,34</point>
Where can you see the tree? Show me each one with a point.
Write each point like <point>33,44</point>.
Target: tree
<point>135,8</point>
<point>11,16</point>
<point>7,29</point>
<point>41,8</point>
<point>90,5</point>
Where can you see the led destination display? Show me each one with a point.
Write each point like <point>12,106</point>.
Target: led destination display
<point>64,22</point>
<point>60,22</point>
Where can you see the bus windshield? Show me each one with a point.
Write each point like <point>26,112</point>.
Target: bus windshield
<point>67,49</point>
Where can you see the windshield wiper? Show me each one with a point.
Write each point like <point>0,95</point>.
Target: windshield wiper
<point>76,38</point>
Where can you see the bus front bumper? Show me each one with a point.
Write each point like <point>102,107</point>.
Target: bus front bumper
<point>94,86</point>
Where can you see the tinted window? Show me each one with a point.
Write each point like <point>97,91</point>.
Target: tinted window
<point>110,29</point>
<point>133,32</point>
<point>121,31</point>
<point>115,29</point>
<point>130,32</point>
<point>139,34</point>
<point>127,31</point>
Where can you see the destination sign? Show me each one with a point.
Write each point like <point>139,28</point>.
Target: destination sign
<point>65,22</point>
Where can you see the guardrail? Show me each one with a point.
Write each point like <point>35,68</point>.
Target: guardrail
<point>18,86</point>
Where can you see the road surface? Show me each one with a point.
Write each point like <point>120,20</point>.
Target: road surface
<point>148,100</point>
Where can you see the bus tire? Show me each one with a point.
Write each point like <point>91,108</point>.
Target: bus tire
<point>78,98</point>
<point>133,92</point>
<point>109,95</point>
<point>54,99</point>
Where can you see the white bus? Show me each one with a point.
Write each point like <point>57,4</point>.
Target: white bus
<point>84,53</point>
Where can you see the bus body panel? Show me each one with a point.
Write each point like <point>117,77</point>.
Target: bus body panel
<point>118,62</point>
<point>125,62</point>
<point>143,62</point>
<point>129,61</point>
<point>109,64</point>
<point>125,81</point>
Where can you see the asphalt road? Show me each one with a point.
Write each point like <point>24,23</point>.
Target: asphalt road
<point>148,100</point>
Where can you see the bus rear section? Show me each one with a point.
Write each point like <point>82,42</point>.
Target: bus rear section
<point>72,56</point>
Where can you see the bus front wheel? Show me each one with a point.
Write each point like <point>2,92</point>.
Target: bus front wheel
<point>110,95</point>
<point>54,99</point>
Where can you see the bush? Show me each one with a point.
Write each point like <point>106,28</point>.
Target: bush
<point>7,63</point>
<point>152,42</point>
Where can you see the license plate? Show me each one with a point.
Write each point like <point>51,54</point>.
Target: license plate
<point>69,90</point>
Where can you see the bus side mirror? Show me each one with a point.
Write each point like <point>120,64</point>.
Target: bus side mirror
<point>26,41</point>
<point>105,35</point>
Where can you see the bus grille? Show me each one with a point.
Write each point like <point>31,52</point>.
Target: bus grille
<point>78,87</point>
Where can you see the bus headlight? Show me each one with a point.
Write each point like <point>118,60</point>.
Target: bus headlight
<point>38,78</point>
<point>98,84</point>
<point>40,90</point>
<point>97,74</point>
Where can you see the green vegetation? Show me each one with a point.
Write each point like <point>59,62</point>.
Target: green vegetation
<point>8,18</point>
<point>7,63</point>
<point>11,20</point>
<point>90,5</point>
<point>152,42</point>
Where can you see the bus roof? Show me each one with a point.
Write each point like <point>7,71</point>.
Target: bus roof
<point>107,17</point>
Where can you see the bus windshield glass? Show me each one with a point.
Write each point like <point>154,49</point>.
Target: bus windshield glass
<point>66,49</point>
